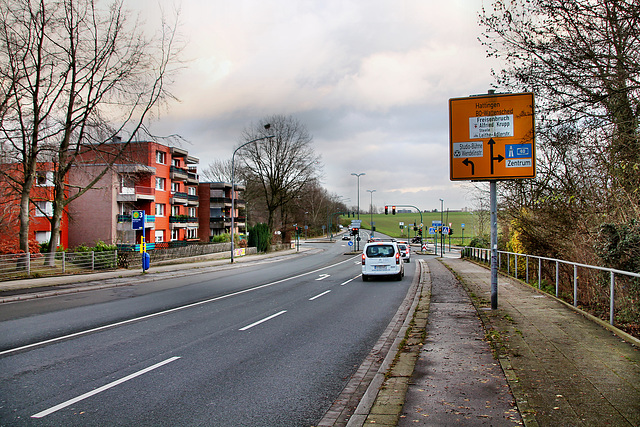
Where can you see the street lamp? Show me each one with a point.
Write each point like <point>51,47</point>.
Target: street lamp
<point>441,227</point>
<point>233,186</point>
<point>371,210</point>
<point>358,175</point>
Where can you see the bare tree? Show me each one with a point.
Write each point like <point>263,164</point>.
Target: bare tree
<point>279,167</point>
<point>75,74</point>
<point>217,171</point>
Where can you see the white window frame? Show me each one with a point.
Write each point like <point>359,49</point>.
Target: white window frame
<point>175,210</point>
<point>44,178</point>
<point>161,157</point>
<point>175,187</point>
<point>175,234</point>
<point>45,206</point>
<point>160,183</point>
<point>191,191</point>
<point>192,212</point>
<point>160,209</point>
<point>159,238</point>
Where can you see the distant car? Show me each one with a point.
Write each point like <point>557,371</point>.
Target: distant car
<point>346,237</point>
<point>405,251</point>
<point>374,239</point>
<point>382,259</point>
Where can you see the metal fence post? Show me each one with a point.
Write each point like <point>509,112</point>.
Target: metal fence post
<point>575,285</point>
<point>527,268</point>
<point>516,265</point>
<point>64,262</point>
<point>28,254</point>
<point>612,297</point>
<point>557,277</point>
<point>93,260</point>
<point>539,272</point>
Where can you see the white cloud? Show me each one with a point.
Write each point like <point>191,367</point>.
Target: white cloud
<point>371,80</point>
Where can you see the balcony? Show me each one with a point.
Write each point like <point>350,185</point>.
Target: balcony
<point>192,178</point>
<point>124,222</point>
<point>178,174</point>
<point>179,198</point>
<point>192,200</point>
<point>134,194</point>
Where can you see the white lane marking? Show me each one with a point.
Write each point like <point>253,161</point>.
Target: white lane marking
<point>319,295</point>
<point>160,313</point>
<point>101,389</point>
<point>323,276</point>
<point>350,280</point>
<point>262,321</point>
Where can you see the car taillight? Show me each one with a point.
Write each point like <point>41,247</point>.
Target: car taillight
<point>397,257</point>
<point>362,259</point>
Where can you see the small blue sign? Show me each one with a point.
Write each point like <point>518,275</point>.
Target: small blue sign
<point>350,243</point>
<point>518,151</point>
<point>137,220</point>
<point>436,223</point>
<point>432,230</point>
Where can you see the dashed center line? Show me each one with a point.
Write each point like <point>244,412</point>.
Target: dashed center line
<point>319,295</point>
<point>262,321</point>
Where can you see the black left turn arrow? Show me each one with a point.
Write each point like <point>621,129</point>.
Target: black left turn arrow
<point>468,162</point>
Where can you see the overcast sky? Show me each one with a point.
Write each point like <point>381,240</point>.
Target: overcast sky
<point>370,79</point>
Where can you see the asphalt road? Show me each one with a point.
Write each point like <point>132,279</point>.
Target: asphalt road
<point>260,344</point>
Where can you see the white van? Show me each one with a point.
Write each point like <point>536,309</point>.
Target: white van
<point>382,259</point>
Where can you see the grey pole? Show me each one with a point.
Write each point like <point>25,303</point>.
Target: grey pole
<point>233,189</point>
<point>494,246</point>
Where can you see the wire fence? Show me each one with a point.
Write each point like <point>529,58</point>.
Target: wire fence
<point>31,265</point>
<point>598,290</point>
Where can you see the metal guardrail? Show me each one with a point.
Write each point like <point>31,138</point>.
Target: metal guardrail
<point>28,265</point>
<point>484,255</point>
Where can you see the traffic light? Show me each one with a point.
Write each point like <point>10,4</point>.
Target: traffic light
<point>420,232</point>
<point>386,210</point>
<point>354,231</point>
<point>393,210</point>
<point>450,231</point>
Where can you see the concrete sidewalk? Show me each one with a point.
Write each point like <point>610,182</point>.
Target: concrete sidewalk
<point>561,367</point>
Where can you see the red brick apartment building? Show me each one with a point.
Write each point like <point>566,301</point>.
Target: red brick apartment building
<point>162,181</point>
<point>215,210</point>
<point>41,208</point>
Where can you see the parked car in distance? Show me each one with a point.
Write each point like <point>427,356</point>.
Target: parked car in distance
<point>405,251</point>
<point>382,259</point>
<point>374,239</point>
<point>346,237</point>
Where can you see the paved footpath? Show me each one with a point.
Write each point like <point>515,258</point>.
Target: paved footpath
<point>456,380</point>
<point>563,368</point>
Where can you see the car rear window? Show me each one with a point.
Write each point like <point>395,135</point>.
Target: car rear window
<point>380,251</point>
<point>402,247</point>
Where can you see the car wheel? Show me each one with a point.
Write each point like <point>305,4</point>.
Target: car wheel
<point>365,278</point>
<point>399,276</point>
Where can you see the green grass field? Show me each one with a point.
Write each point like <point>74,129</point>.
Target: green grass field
<point>389,224</point>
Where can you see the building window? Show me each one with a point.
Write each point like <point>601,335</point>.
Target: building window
<point>44,208</point>
<point>160,183</point>
<point>215,213</point>
<point>174,234</point>
<point>43,236</point>
<point>192,191</point>
<point>175,210</point>
<point>44,178</point>
<point>160,209</point>
<point>159,236</point>
<point>192,233</point>
<point>161,157</point>
<point>192,212</point>
<point>175,187</point>
<point>175,162</point>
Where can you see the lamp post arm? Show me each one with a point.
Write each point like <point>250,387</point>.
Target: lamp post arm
<point>233,189</point>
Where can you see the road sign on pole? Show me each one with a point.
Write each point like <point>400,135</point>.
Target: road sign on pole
<point>137,220</point>
<point>491,137</point>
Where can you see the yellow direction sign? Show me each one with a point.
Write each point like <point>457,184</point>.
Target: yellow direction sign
<point>491,137</point>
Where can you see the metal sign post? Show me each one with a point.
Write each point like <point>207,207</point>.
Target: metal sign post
<point>492,138</point>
